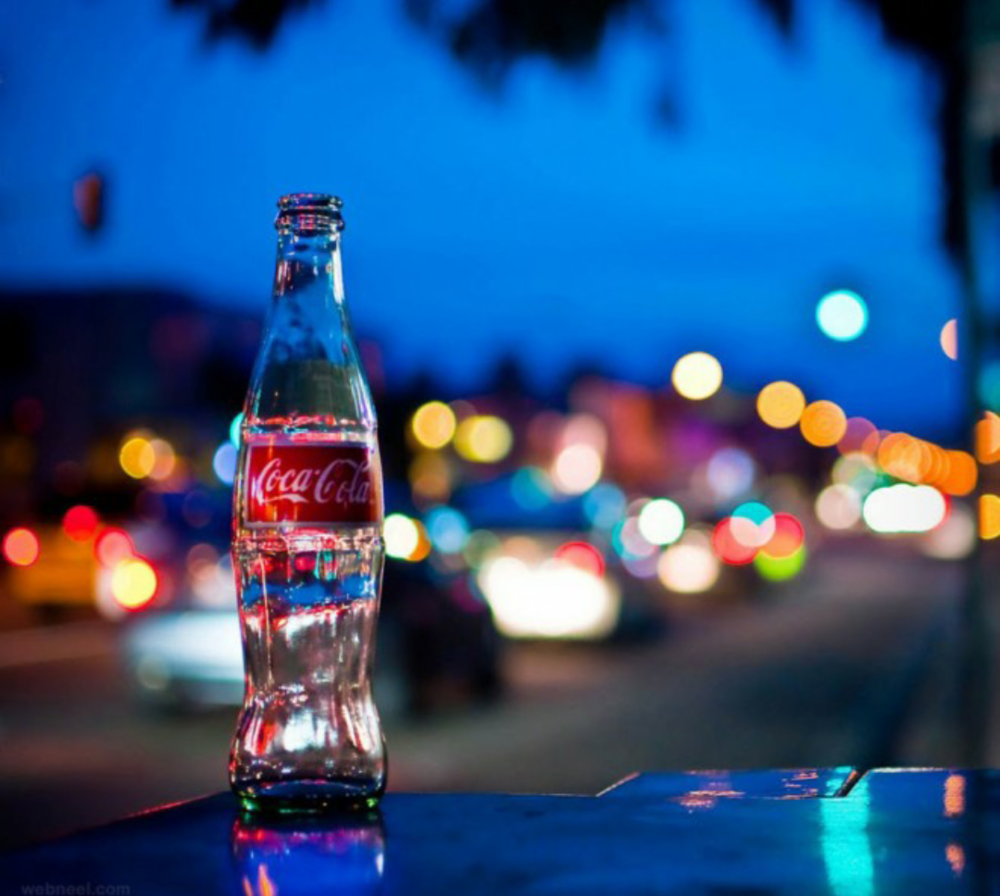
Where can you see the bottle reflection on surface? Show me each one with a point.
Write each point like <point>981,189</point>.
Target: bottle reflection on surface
<point>342,854</point>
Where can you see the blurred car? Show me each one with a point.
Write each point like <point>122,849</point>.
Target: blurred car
<point>436,646</point>
<point>52,571</point>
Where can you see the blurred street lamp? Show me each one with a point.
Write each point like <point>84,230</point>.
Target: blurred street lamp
<point>89,198</point>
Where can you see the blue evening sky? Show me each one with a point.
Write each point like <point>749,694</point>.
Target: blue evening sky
<point>556,219</point>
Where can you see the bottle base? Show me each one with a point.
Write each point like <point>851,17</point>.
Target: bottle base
<point>306,798</point>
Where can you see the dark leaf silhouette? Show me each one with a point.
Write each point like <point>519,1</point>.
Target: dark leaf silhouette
<point>490,37</point>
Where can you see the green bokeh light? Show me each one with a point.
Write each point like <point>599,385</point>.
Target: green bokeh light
<point>780,569</point>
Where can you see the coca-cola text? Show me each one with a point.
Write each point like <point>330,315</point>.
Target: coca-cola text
<point>310,484</point>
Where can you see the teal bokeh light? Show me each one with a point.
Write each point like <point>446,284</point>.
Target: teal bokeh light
<point>989,385</point>
<point>842,315</point>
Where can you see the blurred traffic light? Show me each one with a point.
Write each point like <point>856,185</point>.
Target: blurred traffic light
<point>89,196</point>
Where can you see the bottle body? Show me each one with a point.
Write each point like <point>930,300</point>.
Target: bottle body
<point>308,549</point>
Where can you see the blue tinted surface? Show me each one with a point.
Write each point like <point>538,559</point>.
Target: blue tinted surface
<point>896,831</point>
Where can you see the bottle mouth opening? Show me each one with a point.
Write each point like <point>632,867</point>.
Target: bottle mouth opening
<point>309,213</point>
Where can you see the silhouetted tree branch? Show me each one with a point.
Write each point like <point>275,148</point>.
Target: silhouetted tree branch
<point>490,37</point>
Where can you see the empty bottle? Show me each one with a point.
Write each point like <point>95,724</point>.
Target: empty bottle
<point>307,539</point>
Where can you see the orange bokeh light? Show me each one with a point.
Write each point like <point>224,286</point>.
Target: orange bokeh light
<point>871,442</point>
<point>960,478</point>
<point>823,424</point>
<point>781,404</point>
<point>988,439</point>
<point>989,517</point>
<point>905,457</point>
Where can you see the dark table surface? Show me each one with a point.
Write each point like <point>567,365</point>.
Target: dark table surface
<point>802,831</point>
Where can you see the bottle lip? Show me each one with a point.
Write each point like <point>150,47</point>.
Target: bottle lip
<point>309,213</point>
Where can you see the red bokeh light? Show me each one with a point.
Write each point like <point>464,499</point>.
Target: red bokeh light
<point>112,546</point>
<point>581,555</point>
<point>80,522</point>
<point>788,536</point>
<point>728,547</point>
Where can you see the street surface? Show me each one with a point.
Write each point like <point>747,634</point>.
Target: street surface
<point>831,670</point>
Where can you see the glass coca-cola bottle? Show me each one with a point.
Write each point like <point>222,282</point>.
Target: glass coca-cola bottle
<point>307,539</point>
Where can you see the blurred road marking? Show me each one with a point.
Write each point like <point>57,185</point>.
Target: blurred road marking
<point>28,647</point>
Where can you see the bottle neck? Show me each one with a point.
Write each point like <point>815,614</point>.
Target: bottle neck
<point>308,265</point>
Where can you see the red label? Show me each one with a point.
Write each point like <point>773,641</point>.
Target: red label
<point>311,484</point>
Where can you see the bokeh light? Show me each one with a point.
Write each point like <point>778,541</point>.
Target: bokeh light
<point>955,538</point>
<point>823,424</point>
<point>729,549</point>
<point>582,555</point>
<point>842,315</point>
<point>989,517</point>
<point>905,457</point>
<point>137,456</point>
<point>904,508</point>
<point>988,438</point>
<point>113,546</point>
<point>133,583</point>
<point>80,522</point>
<point>21,547</point>
<point>629,542</point>
<point>872,442</point>
<point>424,545</point>
<point>730,473</point>
<point>431,476</point>
<point>780,404</point>
<point>236,429</point>
<point>752,524</point>
<point>586,429</point>
<point>554,599</point>
<point>856,470</point>
<point>483,439</point>
<point>531,488</point>
<point>447,528</point>
<point>989,385</point>
<point>858,436</point>
<point>641,567</point>
<point>960,475</point>
<point>689,566</point>
<point>224,462</point>
<point>479,546</point>
<point>401,535</point>
<point>789,536</point>
<point>661,521</point>
<point>780,569</point>
<point>604,505</point>
<point>697,376</point>
<point>164,459</point>
<point>838,507</point>
<point>949,339</point>
<point>577,468</point>
<point>433,425</point>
